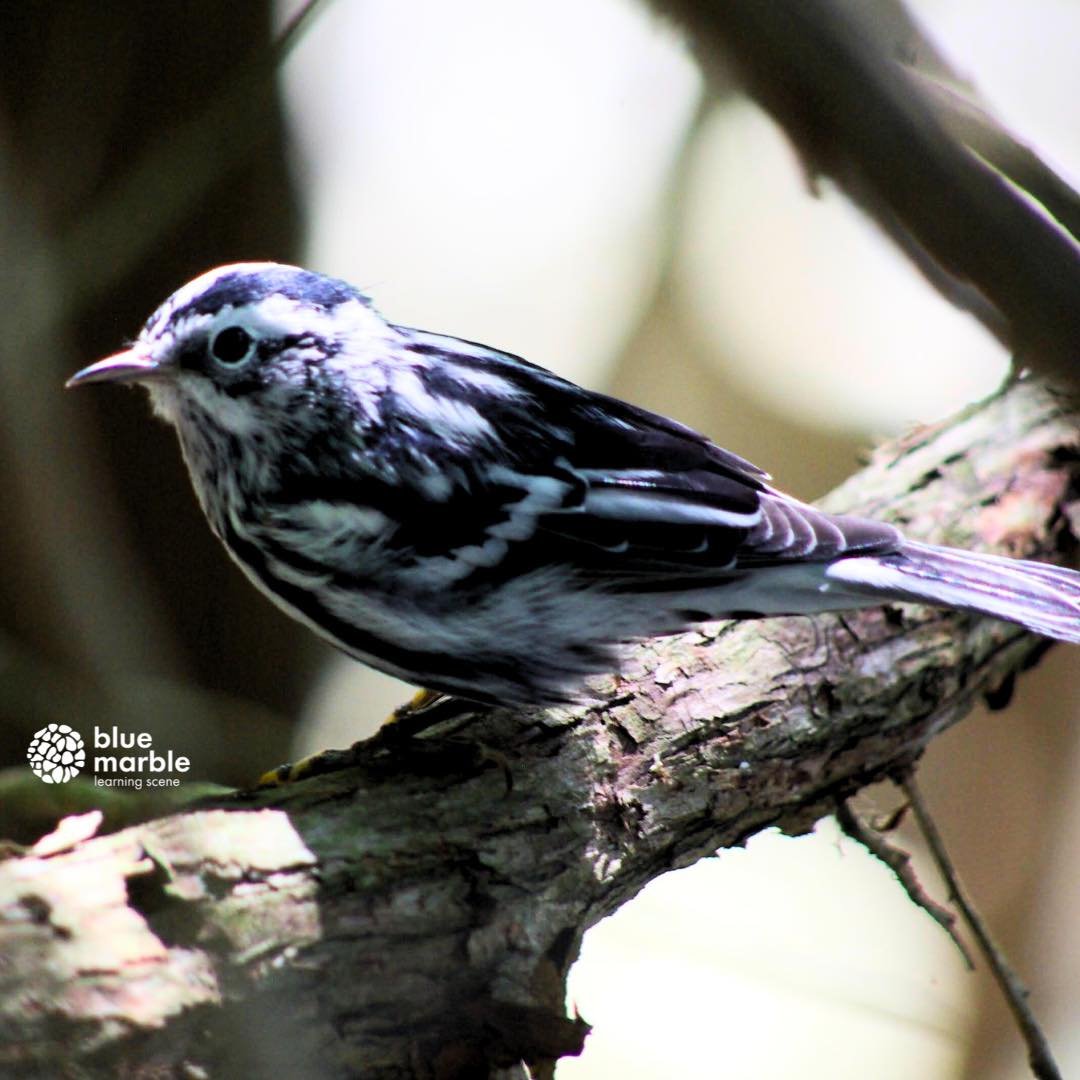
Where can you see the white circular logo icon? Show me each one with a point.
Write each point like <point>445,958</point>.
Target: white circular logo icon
<point>56,754</point>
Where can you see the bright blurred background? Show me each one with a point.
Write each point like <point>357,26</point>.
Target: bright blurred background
<point>550,178</point>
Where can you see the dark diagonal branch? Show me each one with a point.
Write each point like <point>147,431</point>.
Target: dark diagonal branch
<point>828,75</point>
<point>175,171</point>
<point>411,917</point>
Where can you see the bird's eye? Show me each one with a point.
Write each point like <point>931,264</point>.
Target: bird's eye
<point>232,345</point>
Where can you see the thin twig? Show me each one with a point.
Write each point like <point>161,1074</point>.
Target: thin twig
<point>899,862</point>
<point>1040,1058</point>
<point>291,32</point>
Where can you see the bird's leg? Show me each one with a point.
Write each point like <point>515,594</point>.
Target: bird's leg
<point>430,707</point>
<point>423,710</point>
<point>325,761</point>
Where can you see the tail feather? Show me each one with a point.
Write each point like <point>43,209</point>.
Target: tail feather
<point>1043,598</point>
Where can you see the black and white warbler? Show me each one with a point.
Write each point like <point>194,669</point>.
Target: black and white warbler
<point>475,524</point>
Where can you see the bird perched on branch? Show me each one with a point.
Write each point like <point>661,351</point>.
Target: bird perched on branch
<point>472,523</point>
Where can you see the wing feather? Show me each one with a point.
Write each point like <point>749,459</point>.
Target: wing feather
<point>573,478</point>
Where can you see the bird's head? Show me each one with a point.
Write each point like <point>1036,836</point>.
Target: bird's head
<point>245,340</point>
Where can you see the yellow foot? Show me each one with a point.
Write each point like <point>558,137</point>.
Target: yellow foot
<point>421,711</point>
<point>325,761</point>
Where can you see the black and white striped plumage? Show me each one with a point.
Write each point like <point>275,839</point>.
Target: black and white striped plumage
<point>474,524</point>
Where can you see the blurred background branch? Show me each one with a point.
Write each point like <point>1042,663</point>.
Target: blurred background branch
<point>830,73</point>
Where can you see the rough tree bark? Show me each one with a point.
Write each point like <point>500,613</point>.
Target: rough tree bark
<point>412,917</point>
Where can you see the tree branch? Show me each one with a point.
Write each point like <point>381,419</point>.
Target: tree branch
<point>899,862</point>
<point>410,917</point>
<point>832,79</point>
<point>1041,1060</point>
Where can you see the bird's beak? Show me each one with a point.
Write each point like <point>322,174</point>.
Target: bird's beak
<point>122,367</point>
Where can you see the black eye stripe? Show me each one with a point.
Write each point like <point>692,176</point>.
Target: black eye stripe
<point>231,345</point>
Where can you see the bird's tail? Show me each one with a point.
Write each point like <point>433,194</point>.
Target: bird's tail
<point>1043,598</point>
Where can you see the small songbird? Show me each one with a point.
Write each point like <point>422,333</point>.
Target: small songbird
<point>474,524</point>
